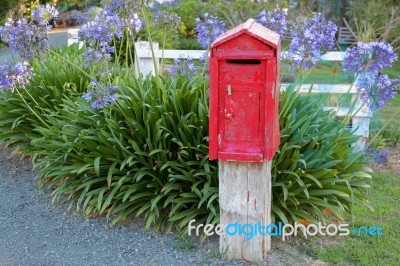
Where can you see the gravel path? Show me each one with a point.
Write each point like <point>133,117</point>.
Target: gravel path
<point>33,231</point>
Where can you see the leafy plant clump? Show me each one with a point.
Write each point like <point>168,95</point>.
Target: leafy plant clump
<point>53,79</point>
<point>148,155</point>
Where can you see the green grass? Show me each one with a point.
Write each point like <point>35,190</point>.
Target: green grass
<point>391,132</point>
<point>184,242</point>
<point>329,72</point>
<point>394,71</point>
<point>325,72</point>
<point>369,250</point>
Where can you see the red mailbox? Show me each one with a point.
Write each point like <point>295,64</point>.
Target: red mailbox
<point>244,94</point>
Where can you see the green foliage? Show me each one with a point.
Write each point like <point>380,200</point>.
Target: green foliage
<point>391,133</point>
<point>81,4</point>
<point>6,8</point>
<point>375,16</point>
<point>124,50</point>
<point>145,156</point>
<point>188,44</point>
<point>232,12</point>
<point>159,34</point>
<point>189,10</point>
<point>315,167</point>
<point>53,80</point>
<point>148,155</point>
<point>386,122</point>
<point>238,11</point>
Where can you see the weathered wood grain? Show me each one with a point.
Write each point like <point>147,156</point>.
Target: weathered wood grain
<point>245,197</point>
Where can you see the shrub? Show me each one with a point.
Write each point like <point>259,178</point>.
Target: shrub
<point>316,169</point>
<point>148,155</point>
<point>53,80</point>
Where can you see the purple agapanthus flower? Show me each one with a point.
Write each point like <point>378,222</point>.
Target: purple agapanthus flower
<point>14,76</point>
<point>208,30</point>
<point>376,90</point>
<point>309,40</point>
<point>98,35</point>
<point>25,39</point>
<point>100,95</point>
<point>103,28</point>
<point>369,57</point>
<point>184,67</point>
<point>368,60</point>
<point>273,20</point>
<point>44,13</point>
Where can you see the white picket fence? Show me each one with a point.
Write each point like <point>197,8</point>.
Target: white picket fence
<point>144,65</point>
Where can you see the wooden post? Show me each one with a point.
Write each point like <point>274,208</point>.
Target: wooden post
<point>73,37</point>
<point>245,198</point>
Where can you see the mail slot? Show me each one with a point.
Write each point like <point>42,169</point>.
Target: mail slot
<point>244,94</point>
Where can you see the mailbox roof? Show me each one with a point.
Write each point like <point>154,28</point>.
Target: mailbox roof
<point>252,28</point>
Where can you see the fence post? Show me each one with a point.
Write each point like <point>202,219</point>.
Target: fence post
<point>72,36</point>
<point>362,129</point>
<point>144,64</point>
<point>361,122</point>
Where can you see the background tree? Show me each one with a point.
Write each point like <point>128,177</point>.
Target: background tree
<point>376,19</point>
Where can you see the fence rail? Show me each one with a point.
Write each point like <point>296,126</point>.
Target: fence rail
<point>144,65</point>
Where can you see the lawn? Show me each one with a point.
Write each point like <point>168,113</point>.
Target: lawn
<point>367,250</point>
<point>329,72</point>
<point>389,118</point>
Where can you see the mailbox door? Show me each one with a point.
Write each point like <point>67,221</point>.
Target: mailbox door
<point>241,118</point>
